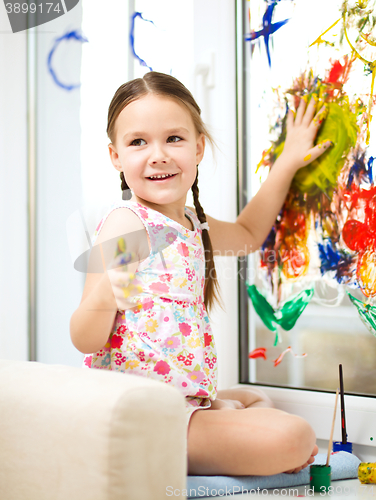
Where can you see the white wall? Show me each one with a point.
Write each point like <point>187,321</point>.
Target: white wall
<point>13,193</point>
<point>59,190</point>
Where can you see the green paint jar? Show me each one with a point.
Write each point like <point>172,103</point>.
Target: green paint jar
<point>320,477</point>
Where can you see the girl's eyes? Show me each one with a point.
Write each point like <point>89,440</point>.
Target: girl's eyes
<point>138,142</point>
<point>174,138</point>
<point>141,142</point>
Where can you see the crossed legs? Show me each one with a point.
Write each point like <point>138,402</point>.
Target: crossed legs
<point>242,434</point>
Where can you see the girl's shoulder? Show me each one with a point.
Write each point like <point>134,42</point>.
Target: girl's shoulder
<point>119,219</point>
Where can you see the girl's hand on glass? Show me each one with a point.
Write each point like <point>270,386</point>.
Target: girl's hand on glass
<point>301,130</point>
<point>122,281</point>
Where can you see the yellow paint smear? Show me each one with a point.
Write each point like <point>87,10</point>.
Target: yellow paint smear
<point>308,157</point>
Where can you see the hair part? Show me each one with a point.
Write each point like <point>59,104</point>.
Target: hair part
<point>168,86</point>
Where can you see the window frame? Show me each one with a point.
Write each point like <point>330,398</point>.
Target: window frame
<point>313,405</point>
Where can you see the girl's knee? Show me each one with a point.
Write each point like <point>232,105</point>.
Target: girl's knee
<point>296,440</point>
<point>300,438</point>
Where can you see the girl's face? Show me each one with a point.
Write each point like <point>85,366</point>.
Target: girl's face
<point>155,136</point>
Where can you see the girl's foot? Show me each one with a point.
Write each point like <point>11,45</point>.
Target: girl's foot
<point>309,461</point>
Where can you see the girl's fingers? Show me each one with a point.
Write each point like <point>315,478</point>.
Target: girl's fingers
<point>122,260</point>
<point>300,110</point>
<point>310,111</point>
<point>289,120</point>
<point>320,117</point>
<point>317,151</point>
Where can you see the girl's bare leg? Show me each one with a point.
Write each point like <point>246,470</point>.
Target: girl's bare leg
<point>243,435</point>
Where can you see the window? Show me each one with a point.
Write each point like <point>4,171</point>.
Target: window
<point>329,335</point>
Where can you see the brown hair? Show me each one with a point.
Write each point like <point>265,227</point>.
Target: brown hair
<point>166,85</point>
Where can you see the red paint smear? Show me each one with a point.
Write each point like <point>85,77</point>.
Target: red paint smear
<point>358,235</point>
<point>289,349</point>
<point>260,352</point>
<point>338,74</point>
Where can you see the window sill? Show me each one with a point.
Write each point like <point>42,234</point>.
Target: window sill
<point>317,408</point>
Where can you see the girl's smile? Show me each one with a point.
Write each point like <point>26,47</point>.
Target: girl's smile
<point>157,147</point>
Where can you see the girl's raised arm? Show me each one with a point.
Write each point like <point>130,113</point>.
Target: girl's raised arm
<point>257,218</point>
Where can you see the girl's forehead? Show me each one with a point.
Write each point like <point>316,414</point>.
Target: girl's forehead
<point>153,107</point>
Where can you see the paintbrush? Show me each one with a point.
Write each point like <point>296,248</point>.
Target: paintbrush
<point>343,419</point>
<point>332,431</point>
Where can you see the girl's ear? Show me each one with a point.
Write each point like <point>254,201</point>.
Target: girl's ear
<point>200,149</point>
<point>114,157</point>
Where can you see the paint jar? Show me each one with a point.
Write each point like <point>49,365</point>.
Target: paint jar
<point>367,472</point>
<point>320,477</point>
<point>339,446</point>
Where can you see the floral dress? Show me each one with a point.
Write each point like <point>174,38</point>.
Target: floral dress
<point>167,335</point>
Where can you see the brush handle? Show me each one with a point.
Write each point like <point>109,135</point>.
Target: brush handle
<point>343,418</point>
<point>332,431</point>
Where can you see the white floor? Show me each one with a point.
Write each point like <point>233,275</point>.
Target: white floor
<point>348,489</point>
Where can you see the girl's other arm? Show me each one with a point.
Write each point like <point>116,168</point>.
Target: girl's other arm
<point>92,322</point>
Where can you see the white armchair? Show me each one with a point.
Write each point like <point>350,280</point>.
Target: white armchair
<point>75,434</point>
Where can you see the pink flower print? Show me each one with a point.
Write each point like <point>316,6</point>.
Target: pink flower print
<point>159,287</point>
<point>88,360</point>
<point>116,342</point>
<point>187,362</point>
<point>208,339</point>
<point>185,329</point>
<point>148,304</point>
<point>211,365</point>
<point>141,356</point>
<point>183,249</point>
<point>162,368</point>
<point>201,392</point>
<point>181,357</point>
<point>171,342</point>
<point>166,277</point>
<point>170,238</point>
<point>143,214</point>
<point>196,376</point>
<point>190,355</point>
<point>121,329</point>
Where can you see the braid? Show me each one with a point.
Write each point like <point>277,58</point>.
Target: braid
<point>127,195</point>
<point>212,292</point>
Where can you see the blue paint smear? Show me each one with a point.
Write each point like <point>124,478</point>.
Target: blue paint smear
<point>361,171</point>
<point>70,35</point>
<point>334,260</point>
<point>131,38</point>
<point>268,28</point>
<point>370,171</point>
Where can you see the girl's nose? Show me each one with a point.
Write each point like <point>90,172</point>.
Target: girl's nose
<point>158,155</point>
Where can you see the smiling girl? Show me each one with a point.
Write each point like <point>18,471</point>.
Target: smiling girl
<point>151,320</point>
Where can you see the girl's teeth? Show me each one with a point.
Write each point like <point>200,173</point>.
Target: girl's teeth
<point>160,176</point>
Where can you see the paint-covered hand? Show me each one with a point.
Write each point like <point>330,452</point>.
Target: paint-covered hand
<point>123,282</point>
<point>301,130</point>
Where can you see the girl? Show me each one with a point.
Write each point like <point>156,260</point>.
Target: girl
<point>152,319</point>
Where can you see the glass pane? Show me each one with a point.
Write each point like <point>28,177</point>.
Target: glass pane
<point>330,330</point>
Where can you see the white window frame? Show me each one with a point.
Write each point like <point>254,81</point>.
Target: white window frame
<point>314,406</point>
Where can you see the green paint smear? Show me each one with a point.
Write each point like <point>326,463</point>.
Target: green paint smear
<point>366,312</point>
<point>286,316</point>
<point>321,175</point>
